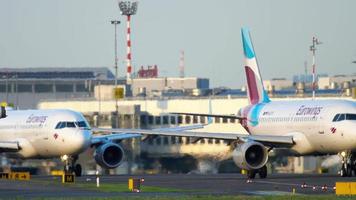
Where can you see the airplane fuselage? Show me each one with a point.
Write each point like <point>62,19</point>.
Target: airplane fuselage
<point>39,136</point>
<point>314,124</point>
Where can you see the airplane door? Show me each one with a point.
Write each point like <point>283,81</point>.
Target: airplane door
<point>321,127</point>
<point>322,136</point>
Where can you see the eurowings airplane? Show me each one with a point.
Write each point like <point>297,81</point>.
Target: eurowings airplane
<point>43,134</point>
<point>309,127</point>
<point>306,127</point>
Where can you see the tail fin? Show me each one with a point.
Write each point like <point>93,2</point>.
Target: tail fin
<point>255,90</point>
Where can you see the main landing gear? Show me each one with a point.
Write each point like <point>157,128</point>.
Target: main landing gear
<point>262,172</point>
<point>348,164</point>
<point>70,167</point>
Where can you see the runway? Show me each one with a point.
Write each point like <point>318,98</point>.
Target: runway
<point>185,184</point>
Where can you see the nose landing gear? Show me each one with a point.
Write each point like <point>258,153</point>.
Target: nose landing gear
<point>348,164</point>
<point>70,167</point>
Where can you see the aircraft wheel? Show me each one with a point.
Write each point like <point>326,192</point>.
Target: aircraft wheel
<point>343,172</point>
<point>348,170</point>
<point>251,174</point>
<point>78,170</point>
<point>67,169</point>
<point>263,172</point>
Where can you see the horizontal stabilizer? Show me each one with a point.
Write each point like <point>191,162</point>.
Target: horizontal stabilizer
<point>210,115</point>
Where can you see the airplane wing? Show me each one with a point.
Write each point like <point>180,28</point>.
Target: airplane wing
<point>98,139</point>
<point>128,133</point>
<point>209,115</point>
<point>268,140</point>
<point>9,146</point>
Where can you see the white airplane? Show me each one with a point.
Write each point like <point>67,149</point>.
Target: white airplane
<point>306,127</point>
<point>310,127</point>
<point>43,134</point>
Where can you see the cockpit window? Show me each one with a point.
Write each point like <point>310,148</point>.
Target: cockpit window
<point>336,117</point>
<point>341,117</point>
<point>350,116</point>
<point>70,125</point>
<point>61,125</point>
<point>82,124</point>
<point>344,116</point>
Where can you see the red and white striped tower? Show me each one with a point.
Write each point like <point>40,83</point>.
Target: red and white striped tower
<point>128,8</point>
<point>128,38</point>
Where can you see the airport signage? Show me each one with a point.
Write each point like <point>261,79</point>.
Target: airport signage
<point>135,184</point>
<point>22,176</point>
<point>118,93</point>
<point>4,175</point>
<point>68,178</point>
<point>57,172</point>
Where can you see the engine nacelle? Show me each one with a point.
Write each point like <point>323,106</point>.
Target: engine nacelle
<point>109,155</point>
<point>250,155</point>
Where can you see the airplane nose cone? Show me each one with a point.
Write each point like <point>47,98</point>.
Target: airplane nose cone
<point>81,140</point>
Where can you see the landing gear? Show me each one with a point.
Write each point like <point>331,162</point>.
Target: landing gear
<point>348,164</point>
<point>70,167</point>
<point>262,172</point>
<point>78,170</point>
<point>251,174</point>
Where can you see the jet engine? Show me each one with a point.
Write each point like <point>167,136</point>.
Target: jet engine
<point>250,155</point>
<point>109,155</point>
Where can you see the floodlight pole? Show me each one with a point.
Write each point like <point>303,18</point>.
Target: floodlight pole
<point>313,49</point>
<point>128,8</point>
<point>115,23</point>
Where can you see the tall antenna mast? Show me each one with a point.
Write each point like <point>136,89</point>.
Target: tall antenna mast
<point>313,49</point>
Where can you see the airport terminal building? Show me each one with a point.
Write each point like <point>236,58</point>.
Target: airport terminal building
<point>25,87</point>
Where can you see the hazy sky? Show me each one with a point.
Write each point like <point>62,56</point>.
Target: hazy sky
<point>78,33</point>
